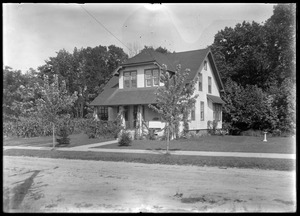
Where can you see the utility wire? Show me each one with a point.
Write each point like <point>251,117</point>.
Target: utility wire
<point>91,15</point>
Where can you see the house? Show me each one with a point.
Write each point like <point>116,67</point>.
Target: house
<point>135,82</point>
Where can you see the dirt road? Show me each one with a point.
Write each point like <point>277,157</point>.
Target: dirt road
<point>58,185</point>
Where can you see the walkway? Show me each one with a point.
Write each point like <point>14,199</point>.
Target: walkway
<point>90,148</point>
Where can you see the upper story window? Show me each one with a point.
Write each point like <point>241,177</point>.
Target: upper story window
<point>205,65</point>
<point>200,82</point>
<point>151,77</point>
<point>209,84</point>
<point>130,79</point>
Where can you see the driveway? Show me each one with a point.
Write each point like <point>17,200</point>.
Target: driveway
<point>60,185</point>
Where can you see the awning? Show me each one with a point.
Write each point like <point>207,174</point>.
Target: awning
<point>215,99</point>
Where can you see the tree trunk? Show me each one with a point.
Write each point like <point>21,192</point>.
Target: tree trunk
<point>53,128</point>
<point>168,139</point>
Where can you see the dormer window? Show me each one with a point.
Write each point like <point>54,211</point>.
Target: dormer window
<point>151,77</point>
<point>130,79</point>
<point>205,65</point>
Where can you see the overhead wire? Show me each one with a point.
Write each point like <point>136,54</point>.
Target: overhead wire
<point>91,15</point>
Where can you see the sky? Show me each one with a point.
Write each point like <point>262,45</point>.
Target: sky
<point>34,32</point>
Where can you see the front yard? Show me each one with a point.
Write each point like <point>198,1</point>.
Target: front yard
<point>284,145</point>
<point>75,140</point>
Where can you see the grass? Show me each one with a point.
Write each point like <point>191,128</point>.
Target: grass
<point>75,140</point>
<point>222,162</point>
<point>284,145</point>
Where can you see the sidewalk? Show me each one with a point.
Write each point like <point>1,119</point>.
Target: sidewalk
<point>91,148</point>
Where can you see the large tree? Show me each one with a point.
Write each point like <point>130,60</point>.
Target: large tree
<point>259,58</point>
<point>86,71</point>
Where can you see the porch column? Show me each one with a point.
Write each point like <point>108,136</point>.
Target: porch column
<point>121,113</point>
<point>139,119</point>
<point>95,114</point>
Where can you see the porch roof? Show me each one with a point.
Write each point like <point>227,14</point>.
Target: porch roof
<point>112,96</point>
<point>215,99</point>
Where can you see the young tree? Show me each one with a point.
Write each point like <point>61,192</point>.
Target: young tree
<point>174,98</point>
<point>54,100</point>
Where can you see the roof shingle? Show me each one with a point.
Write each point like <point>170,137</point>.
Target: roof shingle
<point>192,60</point>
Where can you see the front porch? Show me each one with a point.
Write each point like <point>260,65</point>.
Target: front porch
<point>134,117</point>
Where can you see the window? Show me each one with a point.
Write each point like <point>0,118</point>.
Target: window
<point>217,111</point>
<point>130,79</point>
<point>103,113</point>
<point>200,81</point>
<point>202,110</point>
<point>155,78</point>
<point>193,113</point>
<point>151,77</point>
<point>209,85</point>
<point>205,65</point>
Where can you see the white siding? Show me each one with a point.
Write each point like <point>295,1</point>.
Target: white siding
<point>208,107</point>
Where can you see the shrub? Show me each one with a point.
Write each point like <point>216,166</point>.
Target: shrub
<point>63,136</point>
<point>151,134</point>
<point>125,139</point>
<point>79,125</point>
<point>27,127</point>
<point>212,127</point>
<point>108,129</point>
<point>64,128</point>
<point>251,132</point>
<point>8,129</point>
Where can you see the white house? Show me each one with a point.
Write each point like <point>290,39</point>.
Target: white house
<point>135,82</point>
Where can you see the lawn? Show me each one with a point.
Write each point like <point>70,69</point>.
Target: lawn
<point>222,162</point>
<point>75,140</point>
<point>284,145</point>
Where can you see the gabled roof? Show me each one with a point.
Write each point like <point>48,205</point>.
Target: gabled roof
<point>149,56</point>
<point>112,95</point>
<point>189,59</point>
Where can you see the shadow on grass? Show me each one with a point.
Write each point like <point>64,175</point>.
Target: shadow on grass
<point>124,145</point>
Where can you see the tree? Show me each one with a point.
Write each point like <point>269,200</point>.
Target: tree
<point>19,93</point>
<point>85,71</point>
<point>174,98</point>
<point>158,49</point>
<point>261,59</point>
<point>248,108</point>
<point>280,36</point>
<point>55,100</point>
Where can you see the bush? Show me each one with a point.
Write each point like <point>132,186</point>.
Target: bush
<point>151,134</point>
<point>125,139</point>
<point>212,127</point>
<point>63,136</point>
<point>255,133</point>
<point>64,128</point>
<point>27,127</point>
<point>8,129</point>
<point>79,125</point>
<point>97,129</point>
